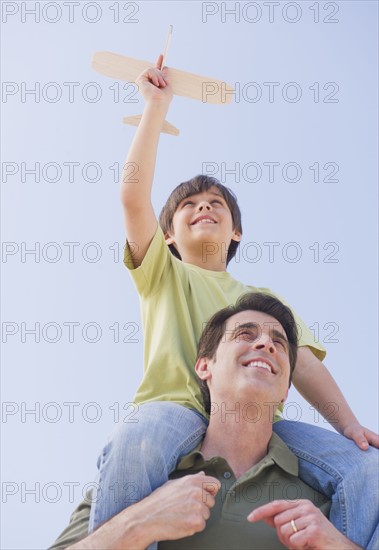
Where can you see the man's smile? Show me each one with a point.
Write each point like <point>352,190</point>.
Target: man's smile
<point>261,364</point>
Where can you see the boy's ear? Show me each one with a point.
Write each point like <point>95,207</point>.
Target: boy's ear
<point>202,368</point>
<point>170,239</point>
<point>237,236</point>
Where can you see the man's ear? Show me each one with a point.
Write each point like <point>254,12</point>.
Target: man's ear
<point>202,368</point>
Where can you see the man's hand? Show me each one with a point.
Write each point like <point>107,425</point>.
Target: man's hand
<point>181,507</point>
<point>309,528</point>
<point>154,83</point>
<point>176,510</point>
<point>362,436</point>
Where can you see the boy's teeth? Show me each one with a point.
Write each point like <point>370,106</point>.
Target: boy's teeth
<point>205,221</point>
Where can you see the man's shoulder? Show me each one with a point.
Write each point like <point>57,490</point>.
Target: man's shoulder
<point>77,529</point>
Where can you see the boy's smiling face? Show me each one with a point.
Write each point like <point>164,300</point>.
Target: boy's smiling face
<point>202,218</point>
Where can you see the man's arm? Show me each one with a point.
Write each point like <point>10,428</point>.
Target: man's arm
<point>309,527</point>
<point>138,171</point>
<point>124,531</point>
<point>314,382</point>
<point>176,510</point>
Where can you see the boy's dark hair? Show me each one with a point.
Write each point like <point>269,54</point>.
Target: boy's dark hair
<point>215,330</point>
<point>199,184</point>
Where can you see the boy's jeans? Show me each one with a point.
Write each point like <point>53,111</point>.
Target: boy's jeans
<point>141,455</point>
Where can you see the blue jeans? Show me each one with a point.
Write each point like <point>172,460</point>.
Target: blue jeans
<point>140,457</point>
<point>335,466</point>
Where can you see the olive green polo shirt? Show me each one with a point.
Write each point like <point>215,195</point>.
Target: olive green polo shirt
<point>274,477</point>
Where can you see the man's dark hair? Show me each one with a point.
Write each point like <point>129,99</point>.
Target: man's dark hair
<point>199,184</point>
<point>215,330</point>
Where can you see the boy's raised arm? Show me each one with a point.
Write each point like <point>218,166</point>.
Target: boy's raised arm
<point>138,172</point>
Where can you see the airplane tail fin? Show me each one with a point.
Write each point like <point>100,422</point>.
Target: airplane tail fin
<point>167,128</point>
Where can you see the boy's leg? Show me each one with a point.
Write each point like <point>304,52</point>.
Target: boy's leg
<point>335,466</point>
<point>141,454</point>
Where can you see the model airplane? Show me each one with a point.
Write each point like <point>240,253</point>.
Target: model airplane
<point>194,86</point>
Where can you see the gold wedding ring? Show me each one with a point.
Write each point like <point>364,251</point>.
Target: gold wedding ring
<point>293,525</point>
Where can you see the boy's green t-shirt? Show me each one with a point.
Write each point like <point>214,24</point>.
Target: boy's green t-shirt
<point>177,299</point>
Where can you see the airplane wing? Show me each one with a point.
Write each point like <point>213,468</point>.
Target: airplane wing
<point>194,86</point>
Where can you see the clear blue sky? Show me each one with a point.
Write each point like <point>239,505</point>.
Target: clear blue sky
<point>298,145</point>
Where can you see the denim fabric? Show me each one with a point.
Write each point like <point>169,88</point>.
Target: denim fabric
<point>141,455</point>
<point>335,466</point>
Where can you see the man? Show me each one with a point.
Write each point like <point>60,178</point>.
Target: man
<point>244,472</point>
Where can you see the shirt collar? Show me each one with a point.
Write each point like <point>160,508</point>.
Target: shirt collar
<point>278,453</point>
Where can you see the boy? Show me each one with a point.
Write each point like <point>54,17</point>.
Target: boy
<point>177,297</point>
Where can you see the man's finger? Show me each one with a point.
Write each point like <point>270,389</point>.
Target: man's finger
<point>208,483</point>
<point>271,509</point>
<point>212,486</point>
<point>269,521</point>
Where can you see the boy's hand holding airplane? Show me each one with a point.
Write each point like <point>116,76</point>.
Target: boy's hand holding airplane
<point>154,83</point>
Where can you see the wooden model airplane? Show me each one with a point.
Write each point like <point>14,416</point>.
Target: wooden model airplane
<point>194,86</point>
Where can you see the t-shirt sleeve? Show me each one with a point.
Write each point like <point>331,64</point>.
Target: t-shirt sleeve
<point>306,337</point>
<point>77,529</point>
<point>150,275</point>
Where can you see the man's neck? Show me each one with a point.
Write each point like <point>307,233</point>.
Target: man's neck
<point>240,434</point>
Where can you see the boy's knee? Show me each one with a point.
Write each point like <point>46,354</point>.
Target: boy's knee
<point>140,434</point>
<point>367,462</point>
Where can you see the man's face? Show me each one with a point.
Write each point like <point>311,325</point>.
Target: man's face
<point>203,217</point>
<point>251,361</point>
